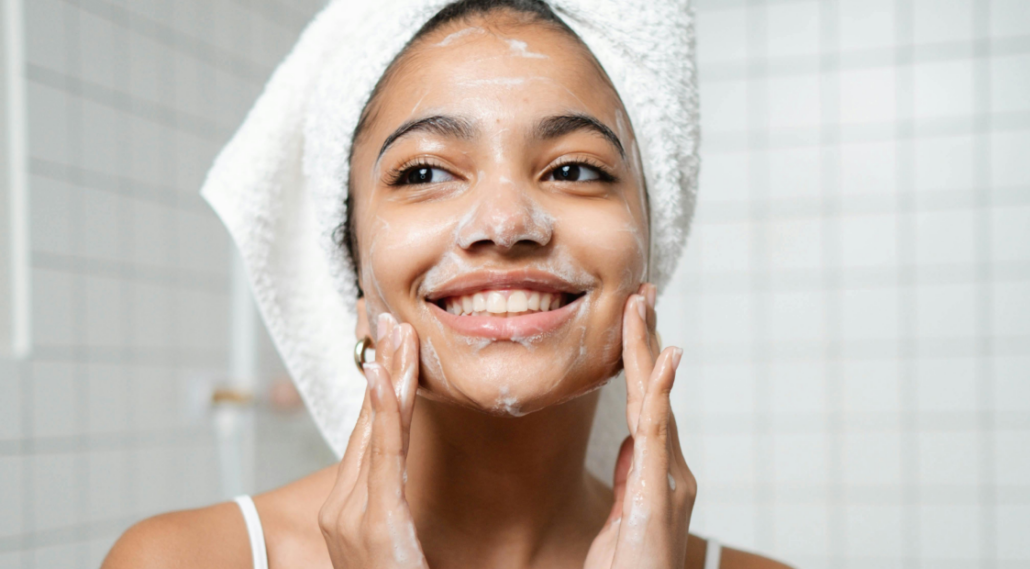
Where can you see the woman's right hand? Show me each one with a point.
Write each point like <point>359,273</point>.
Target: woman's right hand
<point>365,520</point>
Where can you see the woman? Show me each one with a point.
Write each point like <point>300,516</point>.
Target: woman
<point>501,232</point>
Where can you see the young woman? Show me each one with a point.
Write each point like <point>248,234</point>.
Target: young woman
<point>501,231</point>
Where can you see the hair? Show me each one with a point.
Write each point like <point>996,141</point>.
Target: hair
<point>534,12</point>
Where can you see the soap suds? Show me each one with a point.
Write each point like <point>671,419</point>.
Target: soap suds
<point>508,404</point>
<point>432,362</point>
<point>458,35</point>
<point>520,48</point>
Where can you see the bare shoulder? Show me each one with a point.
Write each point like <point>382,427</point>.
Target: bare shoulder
<point>731,558</point>
<point>736,559</point>
<point>215,536</point>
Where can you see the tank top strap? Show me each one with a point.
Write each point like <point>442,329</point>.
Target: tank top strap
<point>254,531</point>
<point>713,554</point>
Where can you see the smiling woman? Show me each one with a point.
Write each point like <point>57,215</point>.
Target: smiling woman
<point>498,222</point>
<point>503,167</point>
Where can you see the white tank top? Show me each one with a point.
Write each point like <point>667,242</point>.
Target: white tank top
<point>713,552</point>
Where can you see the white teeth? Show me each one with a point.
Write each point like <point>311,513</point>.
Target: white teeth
<point>533,302</point>
<point>495,302</point>
<point>517,302</point>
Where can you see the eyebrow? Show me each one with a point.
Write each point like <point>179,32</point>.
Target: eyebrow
<point>438,124</point>
<point>548,128</point>
<point>561,125</point>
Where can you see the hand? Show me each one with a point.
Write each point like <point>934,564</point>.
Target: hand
<point>653,487</point>
<point>365,520</point>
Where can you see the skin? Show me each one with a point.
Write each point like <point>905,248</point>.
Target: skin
<point>455,460</point>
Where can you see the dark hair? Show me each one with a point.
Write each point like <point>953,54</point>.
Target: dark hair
<point>345,235</point>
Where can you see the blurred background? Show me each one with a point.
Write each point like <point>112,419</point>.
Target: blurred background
<point>854,302</point>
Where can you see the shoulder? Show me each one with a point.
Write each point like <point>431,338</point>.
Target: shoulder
<point>731,558</point>
<point>215,536</point>
<point>736,559</point>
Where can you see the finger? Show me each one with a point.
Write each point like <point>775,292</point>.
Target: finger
<point>406,363</point>
<point>356,446</point>
<point>647,503</point>
<point>650,294</point>
<point>385,344</point>
<point>637,358</point>
<point>386,458</point>
<point>674,442</point>
<point>652,457</point>
<point>622,464</point>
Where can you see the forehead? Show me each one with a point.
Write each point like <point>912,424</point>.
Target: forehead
<point>497,73</point>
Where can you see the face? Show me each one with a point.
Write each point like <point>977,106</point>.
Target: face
<point>500,210</point>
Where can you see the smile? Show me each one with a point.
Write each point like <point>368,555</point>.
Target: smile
<point>507,305</point>
<point>504,303</point>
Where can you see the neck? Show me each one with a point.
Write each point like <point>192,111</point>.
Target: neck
<point>509,487</point>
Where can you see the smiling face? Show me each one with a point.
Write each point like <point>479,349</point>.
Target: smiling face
<point>499,208</point>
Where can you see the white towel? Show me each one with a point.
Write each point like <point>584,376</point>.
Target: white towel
<point>279,185</point>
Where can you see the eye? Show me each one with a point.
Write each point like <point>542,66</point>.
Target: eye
<point>425,175</point>
<point>575,173</point>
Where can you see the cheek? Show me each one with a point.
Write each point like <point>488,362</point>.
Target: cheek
<point>613,239</point>
<point>396,247</point>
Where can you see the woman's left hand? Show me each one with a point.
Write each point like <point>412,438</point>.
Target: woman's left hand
<point>653,487</point>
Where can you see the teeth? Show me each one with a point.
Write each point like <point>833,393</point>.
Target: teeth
<point>497,302</point>
<point>533,302</point>
<point>517,302</point>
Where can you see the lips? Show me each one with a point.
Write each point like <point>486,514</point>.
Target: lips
<point>506,305</point>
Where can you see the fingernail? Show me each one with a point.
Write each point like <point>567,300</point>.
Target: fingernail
<point>381,322</point>
<point>677,355</point>
<point>370,370</point>
<point>639,300</point>
<point>652,295</point>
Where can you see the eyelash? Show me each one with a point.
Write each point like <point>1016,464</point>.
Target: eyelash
<point>604,176</point>
<point>396,175</point>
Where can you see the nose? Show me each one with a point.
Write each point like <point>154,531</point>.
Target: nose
<point>504,216</point>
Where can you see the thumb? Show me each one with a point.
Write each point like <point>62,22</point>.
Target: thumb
<point>622,464</point>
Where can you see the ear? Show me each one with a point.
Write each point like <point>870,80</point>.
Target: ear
<point>362,328</point>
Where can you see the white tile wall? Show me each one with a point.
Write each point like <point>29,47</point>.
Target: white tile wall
<point>855,297</point>
<point>859,272</point>
<point>128,102</point>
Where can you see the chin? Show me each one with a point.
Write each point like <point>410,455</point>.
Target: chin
<point>512,379</point>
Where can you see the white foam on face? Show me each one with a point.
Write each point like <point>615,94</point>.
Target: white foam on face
<point>464,32</point>
<point>508,404</point>
<point>375,304</point>
<point>504,227</point>
<point>520,48</point>
<point>432,362</point>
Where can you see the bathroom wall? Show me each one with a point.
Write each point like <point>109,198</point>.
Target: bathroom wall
<point>106,421</point>
<point>854,302</point>
<point>855,299</point>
